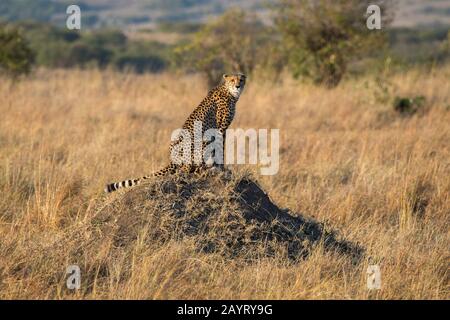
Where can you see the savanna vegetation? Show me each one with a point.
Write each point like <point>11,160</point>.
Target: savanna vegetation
<point>322,43</point>
<point>375,175</point>
<point>364,148</point>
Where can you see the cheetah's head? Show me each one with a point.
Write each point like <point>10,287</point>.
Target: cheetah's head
<point>235,83</point>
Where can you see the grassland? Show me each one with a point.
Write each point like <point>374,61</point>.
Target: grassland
<point>381,179</point>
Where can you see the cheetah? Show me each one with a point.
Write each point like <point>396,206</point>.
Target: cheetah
<point>216,111</point>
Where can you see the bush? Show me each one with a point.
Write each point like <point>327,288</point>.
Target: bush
<point>16,57</point>
<point>57,47</point>
<point>323,37</point>
<point>233,43</point>
<point>409,106</point>
<point>82,55</point>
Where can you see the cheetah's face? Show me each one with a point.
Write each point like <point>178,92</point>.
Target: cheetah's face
<point>234,83</point>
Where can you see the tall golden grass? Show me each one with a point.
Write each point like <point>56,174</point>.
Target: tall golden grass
<point>381,179</point>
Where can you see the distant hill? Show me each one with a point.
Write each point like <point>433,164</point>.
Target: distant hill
<point>132,14</point>
<point>122,13</point>
<point>414,13</point>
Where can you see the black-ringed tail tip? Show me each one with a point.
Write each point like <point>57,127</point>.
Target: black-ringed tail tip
<point>123,184</point>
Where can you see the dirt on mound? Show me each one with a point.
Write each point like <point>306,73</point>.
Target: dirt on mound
<point>221,213</point>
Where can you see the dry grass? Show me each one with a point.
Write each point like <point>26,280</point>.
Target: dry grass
<point>380,179</point>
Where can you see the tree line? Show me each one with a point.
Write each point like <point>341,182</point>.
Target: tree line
<point>322,41</point>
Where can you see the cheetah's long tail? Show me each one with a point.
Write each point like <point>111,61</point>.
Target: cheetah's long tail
<point>134,182</point>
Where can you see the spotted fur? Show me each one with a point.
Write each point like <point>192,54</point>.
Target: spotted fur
<point>216,111</point>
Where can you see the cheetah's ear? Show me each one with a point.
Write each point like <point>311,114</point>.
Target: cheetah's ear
<point>225,76</point>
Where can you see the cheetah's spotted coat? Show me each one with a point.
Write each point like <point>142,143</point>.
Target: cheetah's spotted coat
<point>216,111</point>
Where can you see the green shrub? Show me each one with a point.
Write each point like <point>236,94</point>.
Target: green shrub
<point>16,57</point>
<point>322,37</point>
<point>81,54</point>
<point>60,48</point>
<point>235,42</point>
<point>409,106</point>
